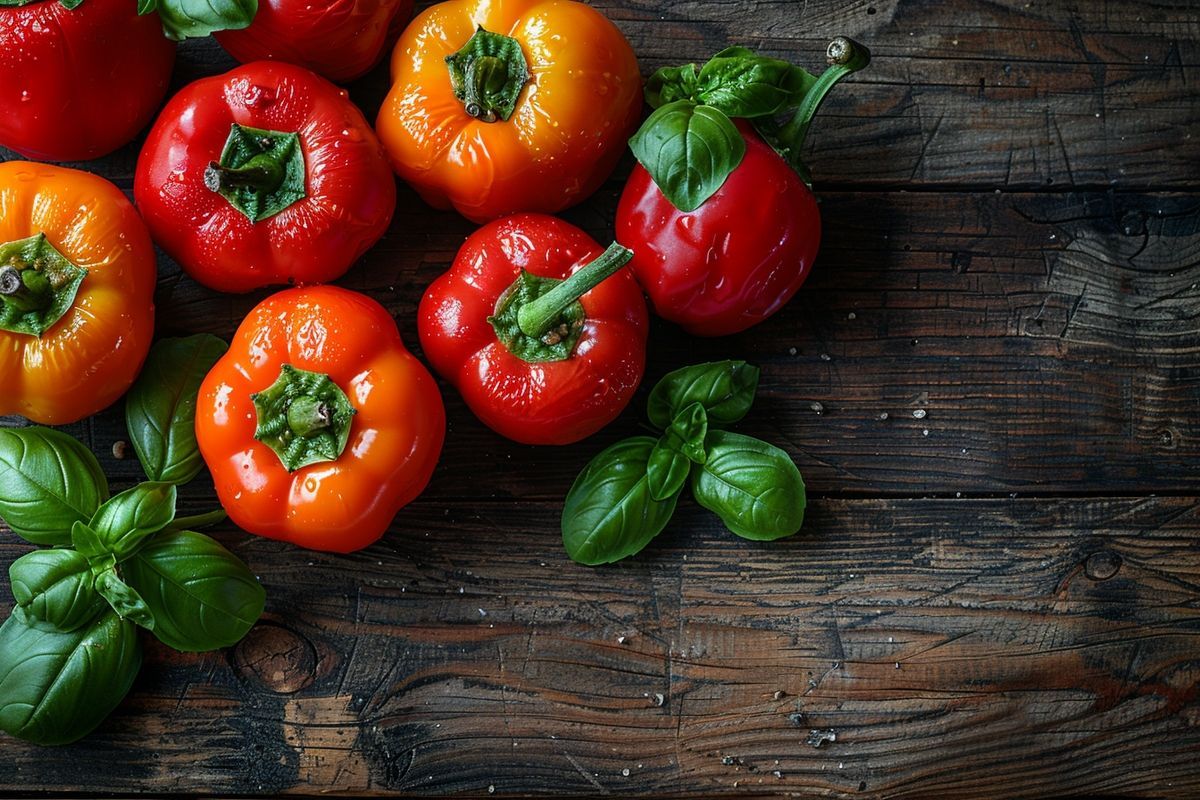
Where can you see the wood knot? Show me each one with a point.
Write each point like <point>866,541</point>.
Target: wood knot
<point>1102,565</point>
<point>278,658</point>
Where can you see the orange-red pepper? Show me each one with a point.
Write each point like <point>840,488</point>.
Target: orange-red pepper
<point>318,425</point>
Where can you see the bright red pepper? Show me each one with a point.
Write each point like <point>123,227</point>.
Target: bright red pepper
<point>318,425</point>
<point>536,367</point>
<point>267,174</point>
<point>340,39</point>
<point>79,83</point>
<point>735,258</point>
<point>738,258</point>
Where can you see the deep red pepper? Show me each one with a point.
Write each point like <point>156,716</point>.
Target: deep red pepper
<point>339,39</point>
<point>78,83</point>
<point>529,369</point>
<point>744,251</point>
<point>267,174</point>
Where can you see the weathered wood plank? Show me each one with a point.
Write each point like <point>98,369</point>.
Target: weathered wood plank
<point>1013,94</point>
<point>1050,340</point>
<point>981,648</point>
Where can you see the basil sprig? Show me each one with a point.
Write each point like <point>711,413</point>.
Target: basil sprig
<point>70,651</point>
<point>690,144</point>
<point>627,494</point>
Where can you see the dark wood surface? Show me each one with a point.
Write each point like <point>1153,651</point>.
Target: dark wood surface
<point>999,599</point>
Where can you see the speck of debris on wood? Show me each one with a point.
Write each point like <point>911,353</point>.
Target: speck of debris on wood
<point>120,449</point>
<point>816,738</point>
<point>777,774</point>
<point>919,413</point>
<point>779,694</point>
<point>883,415</point>
<point>791,351</point>
<point>817,407</point>
<point>826,357</point>
<point>620,640</point>
<point>796,718</point>
<point>659,699</point>
<point>852,315</point>
<point>491,789</point>
<point>625,772</point>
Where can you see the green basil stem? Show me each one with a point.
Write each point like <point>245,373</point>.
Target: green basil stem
<point>844,56</point>
<point>538,317</point>
<point>25,289</point>
<point>264,172</point>
<point>197,521</point>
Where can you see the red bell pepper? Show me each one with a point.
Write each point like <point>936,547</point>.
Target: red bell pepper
<point>541,330</point>
<point>723,225</point>
<point>78,83</point>
<point>267,174</point>
<point>339,39</point>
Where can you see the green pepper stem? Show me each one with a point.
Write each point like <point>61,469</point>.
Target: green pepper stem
<point>844,56</point>
<point>539,316</point>
<point>264,172</point>
<point>488,74</point>
<point>25,289</point>
<point>307,415</point>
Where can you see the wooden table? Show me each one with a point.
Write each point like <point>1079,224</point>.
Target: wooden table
<point>995,598</point>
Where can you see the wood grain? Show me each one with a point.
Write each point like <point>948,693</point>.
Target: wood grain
<point>995,598</point>
<point>1052,342</point>
<point>1016,648</point>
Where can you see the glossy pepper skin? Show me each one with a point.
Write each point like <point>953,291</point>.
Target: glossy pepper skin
<point>87,357</point>
<point>393,439</point>
<point>338,39</point>
<point>547,402</point>
<point>567,127</point>
<point>347,194</point>
<point>735,260</point>
<point>77,84</point>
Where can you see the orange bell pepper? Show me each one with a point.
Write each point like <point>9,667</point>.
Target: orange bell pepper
<point>77,276</point>
<point>497,108</point>
<point>318,425</point>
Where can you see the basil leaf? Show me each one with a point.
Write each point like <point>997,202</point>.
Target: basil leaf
<point>689,150</point>
<point>676,450</point>
<point>670,84</point>
<point>666,470</point>
<point>202,596</point>
<point>754,487</point>
<point>48,480</point>
<point>56,686</point>
<point>55,587</point>
<point>192,19</point>
<point>88,543</point>
<point>160,410</point>
<point>124,599</point>
<point>725,389</point>
<point>609,513</point>
<point>124,522</point>
<point>743,84</point>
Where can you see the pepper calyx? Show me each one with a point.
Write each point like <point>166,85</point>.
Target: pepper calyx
<point>488,75</point>
<point>541,319</point>
<point>304,417</point>
<point>38,285</point>
<point>260,172</point>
